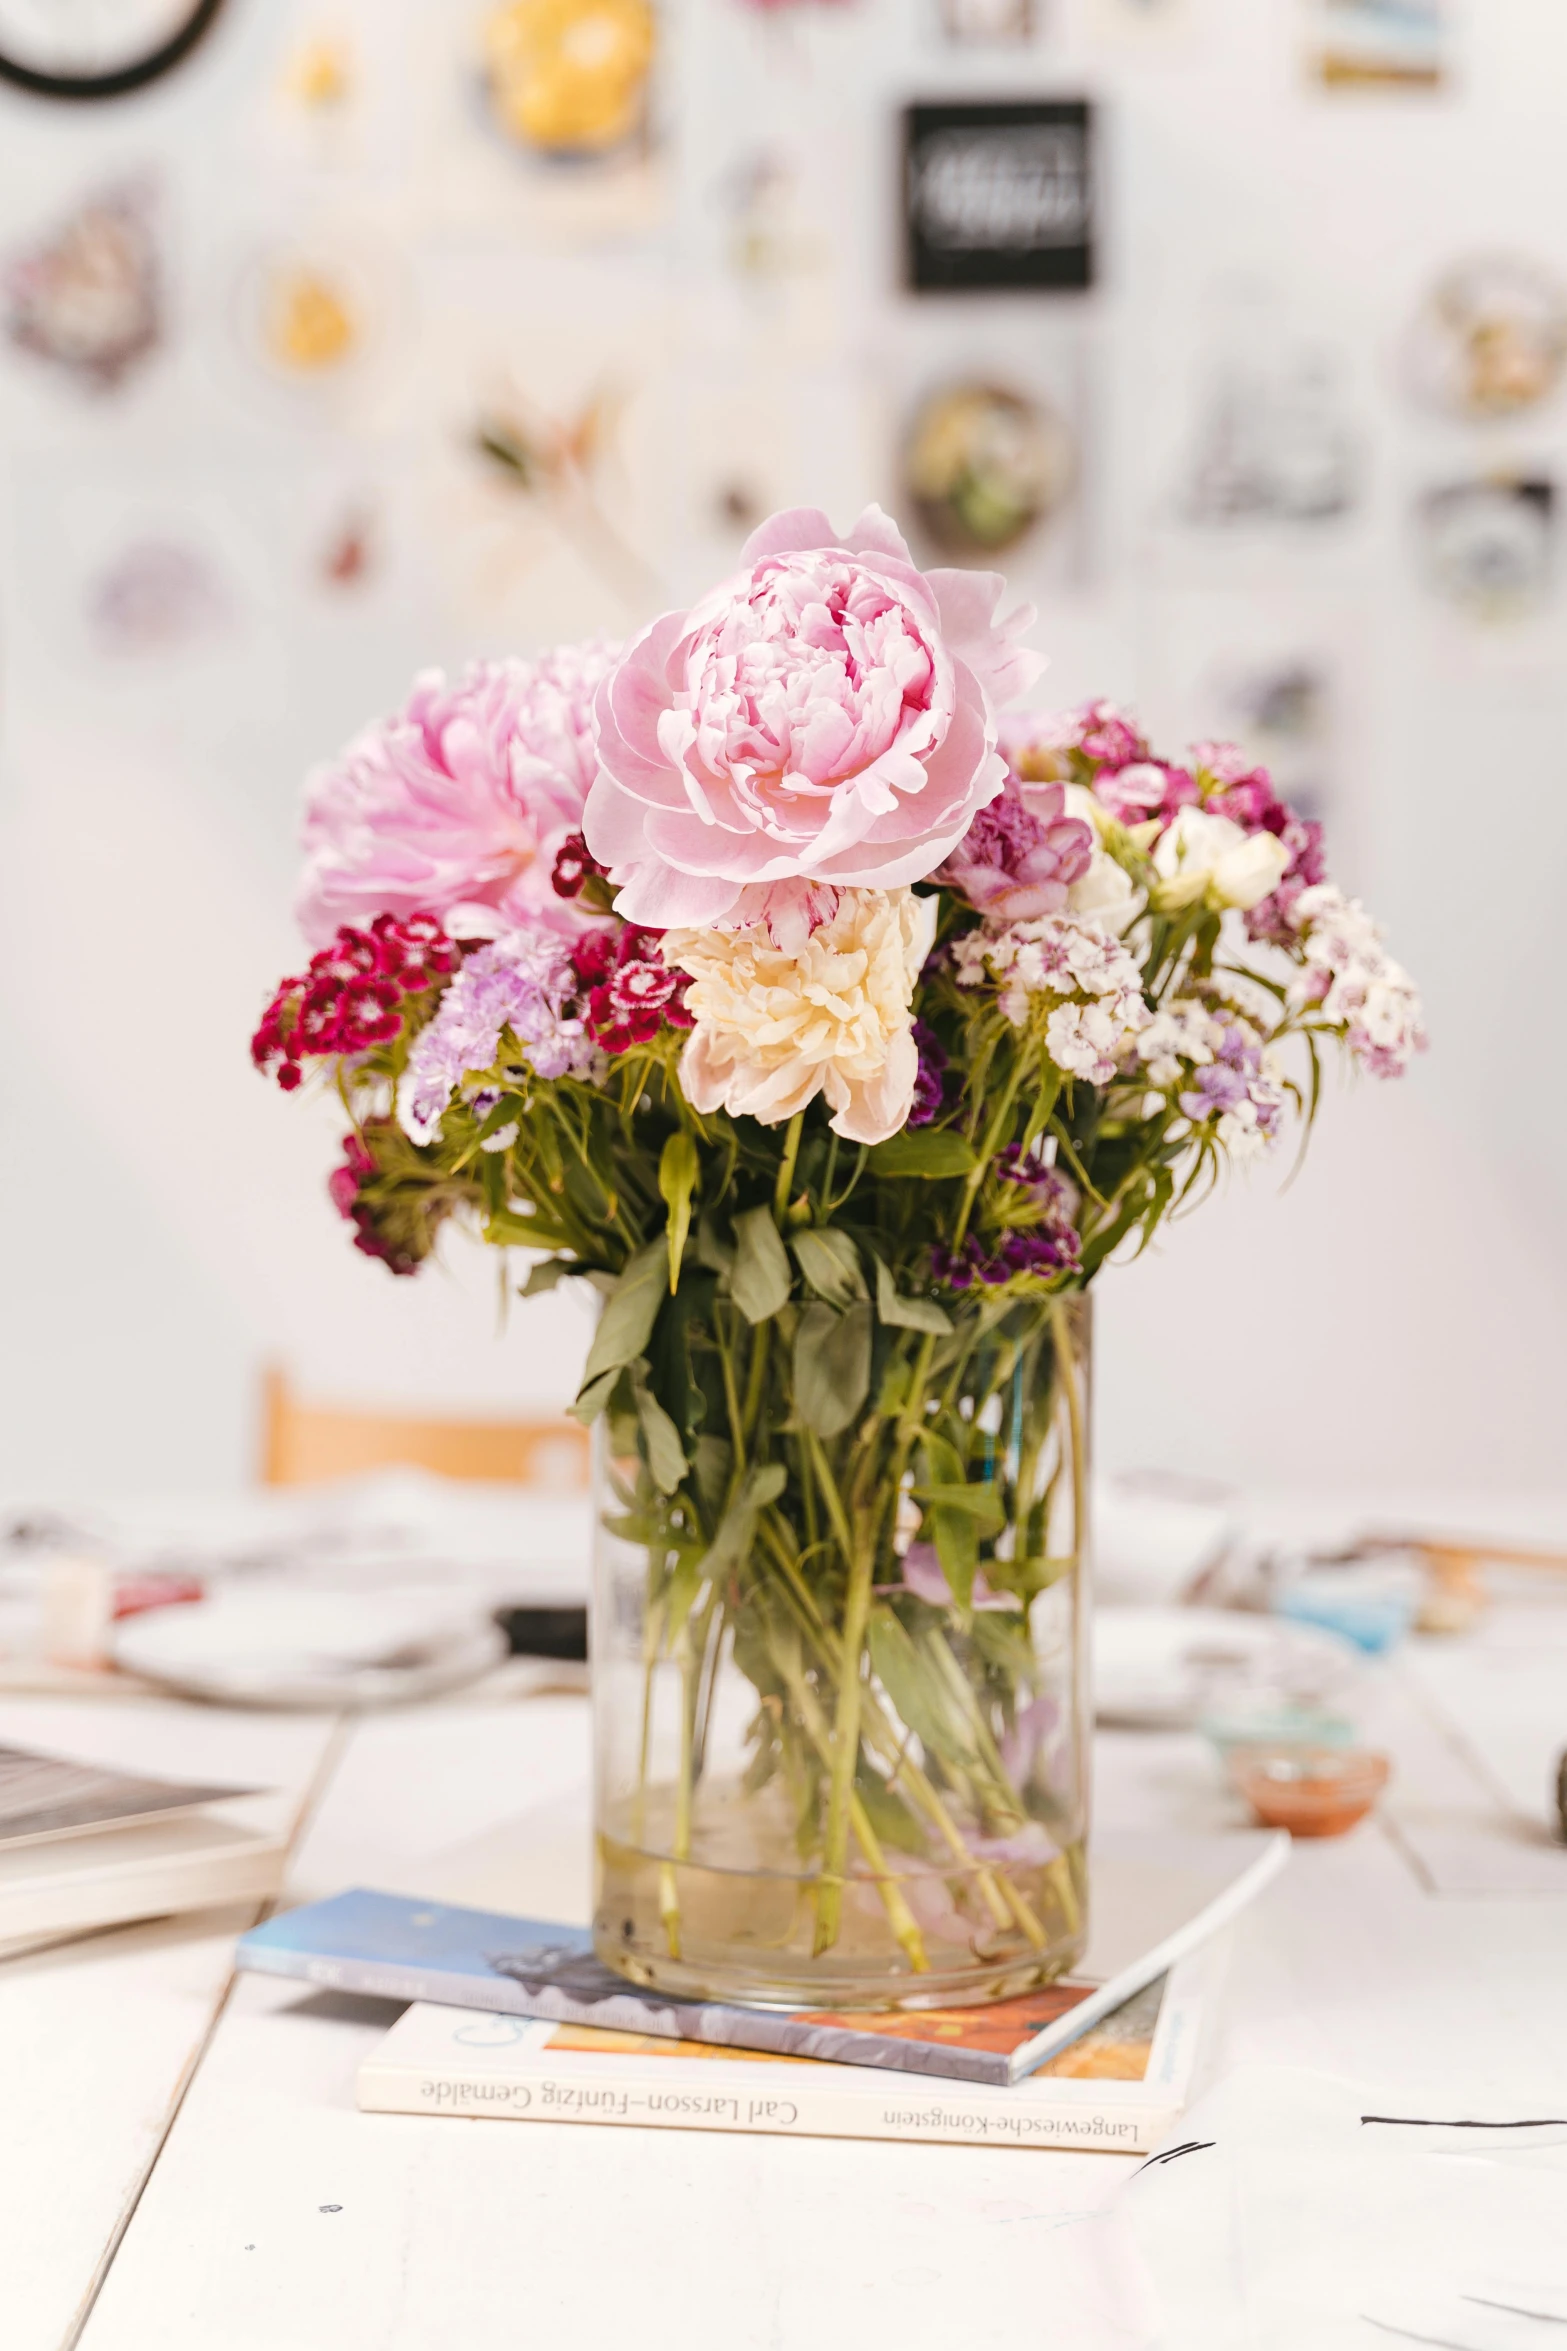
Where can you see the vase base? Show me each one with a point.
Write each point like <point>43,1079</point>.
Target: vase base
<point>747,1936</point>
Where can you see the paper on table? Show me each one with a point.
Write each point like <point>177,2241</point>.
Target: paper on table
<point>1297,2211</point>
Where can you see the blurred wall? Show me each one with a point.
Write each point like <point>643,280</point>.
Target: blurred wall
<point>731,304</point>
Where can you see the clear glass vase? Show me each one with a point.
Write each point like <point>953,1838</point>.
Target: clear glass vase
<point>839,1678</point>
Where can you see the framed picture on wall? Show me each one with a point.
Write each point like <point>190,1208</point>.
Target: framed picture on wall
<point>97,48</point>
<point>998,196</point>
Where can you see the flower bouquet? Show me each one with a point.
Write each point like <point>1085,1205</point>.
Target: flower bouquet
<point>836,1031</point>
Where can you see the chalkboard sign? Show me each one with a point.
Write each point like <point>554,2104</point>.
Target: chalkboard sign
<point>999,196</point>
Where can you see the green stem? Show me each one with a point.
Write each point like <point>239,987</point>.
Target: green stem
<point>791,1152</point>
<point>846,1739</point>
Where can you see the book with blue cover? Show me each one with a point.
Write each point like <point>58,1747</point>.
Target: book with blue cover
<point>1154,1901</point>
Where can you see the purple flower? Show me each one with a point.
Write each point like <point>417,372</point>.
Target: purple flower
<point>925,1577</point>
<point>523,982</point>
<point>1020,855</point>
<point>930,1087</point>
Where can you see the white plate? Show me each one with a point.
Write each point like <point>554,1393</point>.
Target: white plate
<point>1164,1668</point>
<point>286,1647</point>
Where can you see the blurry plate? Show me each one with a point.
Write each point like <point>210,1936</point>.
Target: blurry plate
<point>297,1648</point>
<point>1165,1668</point>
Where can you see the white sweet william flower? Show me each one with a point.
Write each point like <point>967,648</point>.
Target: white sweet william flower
<point>1209,858</point>
<point>829,1012</point>
<point>1099,1007</point>
<point>1353,981</point>
<point>1089,1040</point>
<point>1182,1035</point>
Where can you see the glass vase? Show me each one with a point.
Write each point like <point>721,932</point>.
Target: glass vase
<point>839,1673</point>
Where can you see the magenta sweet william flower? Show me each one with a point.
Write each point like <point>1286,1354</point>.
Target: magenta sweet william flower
<point>1020,855</point>
<point>459,804</point>
<point>631,991</point>
<point>829,713</point>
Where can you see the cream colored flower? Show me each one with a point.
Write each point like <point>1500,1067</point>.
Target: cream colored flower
<point>1209,857</point>
<point>830,1015</point>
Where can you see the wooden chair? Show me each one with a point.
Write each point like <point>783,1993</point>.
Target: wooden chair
<point>305,1443</point>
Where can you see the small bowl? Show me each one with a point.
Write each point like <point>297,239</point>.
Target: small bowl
<point>1311,1791</point>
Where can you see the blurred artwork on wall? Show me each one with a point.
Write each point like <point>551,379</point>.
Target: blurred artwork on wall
<point>1281,706</point>
<point>999,197</point>
<point>1272,441</point>
<point>769,232</point>
<point>316,309</point>
<point>569,78</point>
<point>158,595</point>
<point>89,296</point>
<point>1490,339</point>
<point>1378,45</point>
<point>543,481</point>
<point>1152,27</point>
<point>985,465</point>
<point>988,21</point>
<point>1488,544</point>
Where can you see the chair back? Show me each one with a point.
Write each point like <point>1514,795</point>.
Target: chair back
<point>302,1444</point>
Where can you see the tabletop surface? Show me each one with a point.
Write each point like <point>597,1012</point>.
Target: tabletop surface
<point>183,2168</point>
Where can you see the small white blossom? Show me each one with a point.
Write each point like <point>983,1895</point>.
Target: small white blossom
<point>1063,956</point>
<point>1350,978</point>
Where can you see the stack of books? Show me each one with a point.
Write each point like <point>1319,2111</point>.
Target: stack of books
<point>517,2018</point>
<point>82,1847</point>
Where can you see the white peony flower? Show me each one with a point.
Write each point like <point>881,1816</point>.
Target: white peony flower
<point>1208,857</point>
<point>831,1014</point>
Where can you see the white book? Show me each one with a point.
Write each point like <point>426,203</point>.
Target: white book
<point>1120,2087</point>
<point>69,1885</point>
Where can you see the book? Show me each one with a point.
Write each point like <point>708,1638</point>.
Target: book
<point>1153,1900</point>
<point>82,1847</point>
<point>43,1796</point>
<point>1120,2087</point>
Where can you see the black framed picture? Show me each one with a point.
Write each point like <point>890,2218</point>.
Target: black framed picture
<point>96,48</point>
<point>998,195</point>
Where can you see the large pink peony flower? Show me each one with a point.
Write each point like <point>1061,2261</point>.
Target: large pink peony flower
<point>828,713</point>
<point>458,805</point>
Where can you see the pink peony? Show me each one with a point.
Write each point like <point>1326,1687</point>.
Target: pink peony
<point>827,714</point>
<point>459,805</point>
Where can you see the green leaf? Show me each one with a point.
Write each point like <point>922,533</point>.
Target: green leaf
<point>908,1314</point>
<point>979,1501</point>
<point>545,1275</point>
<point>714,1458</point>
<point>626,1324</point>
<point>761,1485</point>
<point>931,1152</point>
<point>505,1229</point>
<point>760,1280</point>
<point>832,1367</point>
<point>593,1396</point>
<point>712,1249</point>
<point>678,1169</point>
<point>955,1534</point>
<point>916,1692</point>
<point>831,1264</point>
<point>665,1454</point>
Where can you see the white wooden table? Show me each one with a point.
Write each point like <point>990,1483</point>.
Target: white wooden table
<point>182,2167</point>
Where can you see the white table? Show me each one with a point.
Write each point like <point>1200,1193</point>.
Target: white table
<point>182,2167</point>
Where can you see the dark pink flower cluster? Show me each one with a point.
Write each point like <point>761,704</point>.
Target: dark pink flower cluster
<point>574,863</point>
<point>629,991</point>
<point>346,1186</point>
<point>353,993</point>
<point>1020,855</point>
